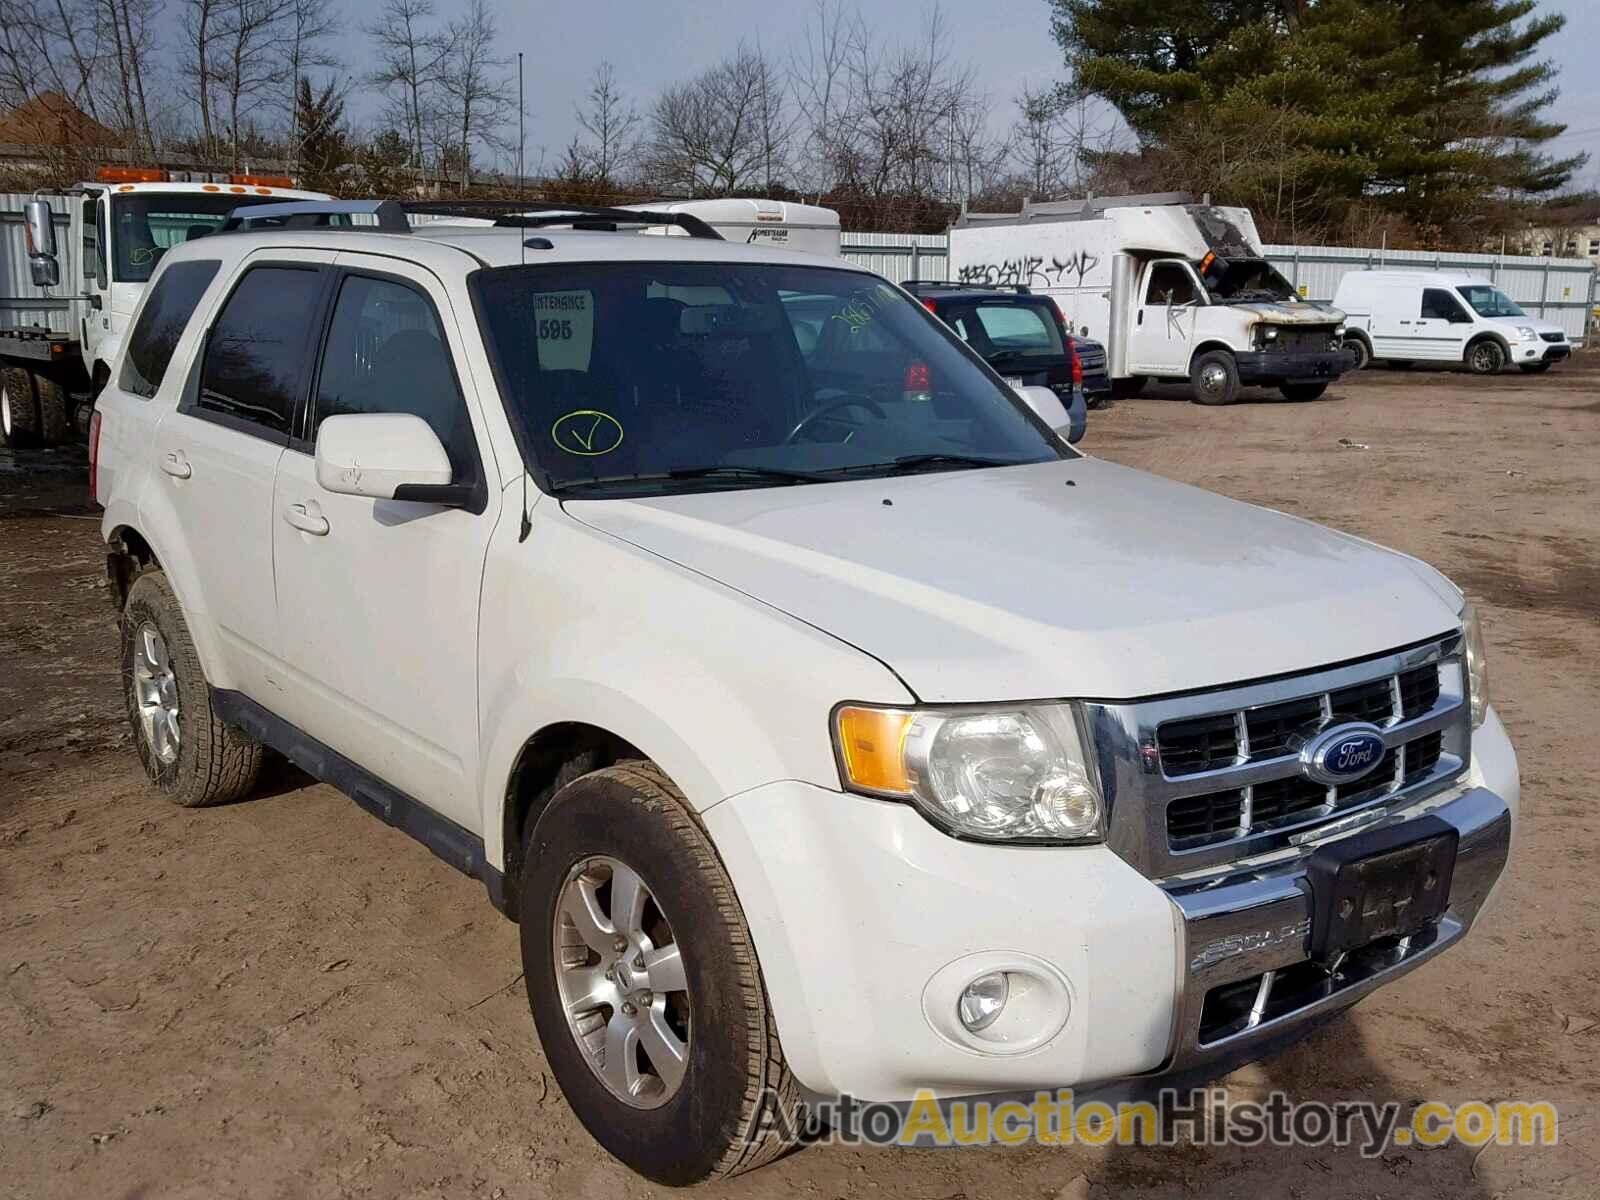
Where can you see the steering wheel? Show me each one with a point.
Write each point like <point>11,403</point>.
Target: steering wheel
<point>872,406</point>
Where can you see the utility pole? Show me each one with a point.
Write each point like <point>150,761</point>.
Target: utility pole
<point>521,135</point>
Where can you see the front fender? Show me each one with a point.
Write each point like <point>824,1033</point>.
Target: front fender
<point>721,691</point>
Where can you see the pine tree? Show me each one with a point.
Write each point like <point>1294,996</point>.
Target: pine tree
<point>324,144</point>
<point>1315,109</point>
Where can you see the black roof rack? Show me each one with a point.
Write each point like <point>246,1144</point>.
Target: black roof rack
<point>315,214</point>
<point>521,214</point>
<point>956,285</point>
<point>392,215</point>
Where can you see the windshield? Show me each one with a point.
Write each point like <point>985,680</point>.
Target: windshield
<point>1244,279</point>
<point>1489,301</point>
<point>641,378</point>
<point>145,226</point>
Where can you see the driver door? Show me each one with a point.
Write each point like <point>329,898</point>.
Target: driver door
<point>1164,322</point>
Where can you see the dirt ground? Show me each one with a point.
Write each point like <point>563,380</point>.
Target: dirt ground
<point>284,998</point>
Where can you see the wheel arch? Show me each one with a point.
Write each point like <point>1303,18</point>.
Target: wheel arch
<point>1488,335</point>
<point>1207,346</point>
<point>135,542</point>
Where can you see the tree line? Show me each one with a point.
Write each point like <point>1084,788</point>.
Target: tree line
<point>1422,121</point>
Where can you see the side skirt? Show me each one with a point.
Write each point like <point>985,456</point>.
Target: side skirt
<point>459,847</point>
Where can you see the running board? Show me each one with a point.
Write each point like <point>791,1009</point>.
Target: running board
<point>459,847</point>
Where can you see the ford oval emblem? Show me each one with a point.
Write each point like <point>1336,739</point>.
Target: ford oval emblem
<point>1342,754</point>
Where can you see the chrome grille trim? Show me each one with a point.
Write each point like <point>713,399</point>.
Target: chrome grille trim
<point>1138,788</point>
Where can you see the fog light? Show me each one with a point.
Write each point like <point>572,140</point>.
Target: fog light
<point>983,1001</point>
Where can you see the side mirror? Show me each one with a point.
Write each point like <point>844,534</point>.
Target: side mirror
<point>38,221</point>
<point>386,456</point>
<point>1047,406</point>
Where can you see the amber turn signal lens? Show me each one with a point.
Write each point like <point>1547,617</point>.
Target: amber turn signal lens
<point>872,745</point>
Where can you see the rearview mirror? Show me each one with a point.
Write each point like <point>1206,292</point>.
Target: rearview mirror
<point>38,221</point>
<point>1047,406</point>
<point>387,456</point>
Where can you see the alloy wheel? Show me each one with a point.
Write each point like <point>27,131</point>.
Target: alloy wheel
<point>621,980</point>
<point>156,688</point>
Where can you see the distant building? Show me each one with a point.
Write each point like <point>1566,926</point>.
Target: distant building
<point>51,119</point>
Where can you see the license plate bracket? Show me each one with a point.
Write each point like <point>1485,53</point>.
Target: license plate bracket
<point>1387,882</point>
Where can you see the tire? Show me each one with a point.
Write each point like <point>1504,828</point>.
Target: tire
<point>1302,391</point>
<point>735,1106</point>
<point>165,689</point>
<point>1214,378</point>
<point>1485,357</point>
<point>19,408</point>
<point>55,419</point>
<point>1362,351</point>
<point>1538,368</point>
<point>1129,387</point>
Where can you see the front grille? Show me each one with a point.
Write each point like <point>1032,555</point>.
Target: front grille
<point>1202,779</point>
<point>1554,337</point>
<point>1315,339</point>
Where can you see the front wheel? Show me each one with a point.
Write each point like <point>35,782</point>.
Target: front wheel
<point>1214,378</point>
<point>644,983</point>
<point>187,750</point>
<point>1302,391</point>
<point>1486,357</point>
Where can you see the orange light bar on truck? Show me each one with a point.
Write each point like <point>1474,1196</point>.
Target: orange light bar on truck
<point>261,181</point>
<point>133,175</point>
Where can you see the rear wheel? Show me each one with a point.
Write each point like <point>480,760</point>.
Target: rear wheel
<point>1362,351</point>
<point>1128,387</point>
<point>1302,391</point>
<point>187,750</point>
<point>1486,357</point>
<point>1214,378</point>
<point>19,408</point>
<point>1538,368</point>
<point>644,984</point>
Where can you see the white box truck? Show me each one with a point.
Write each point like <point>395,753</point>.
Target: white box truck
<point>72,271</point>
<point>1175,290</point>
<point>781,224</point>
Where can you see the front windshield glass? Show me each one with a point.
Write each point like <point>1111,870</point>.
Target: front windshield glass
<point>1489,301</point>
<point>144,226</point>
<point>640,378</point>
<point>1245,279</point>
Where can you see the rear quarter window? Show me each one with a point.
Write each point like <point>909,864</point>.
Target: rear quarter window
<point>167,310</point>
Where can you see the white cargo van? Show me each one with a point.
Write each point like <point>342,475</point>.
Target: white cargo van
<point>1442,316</point>
<point>1175,290</point>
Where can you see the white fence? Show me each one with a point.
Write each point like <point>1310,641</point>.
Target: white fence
<point>1563,290</point>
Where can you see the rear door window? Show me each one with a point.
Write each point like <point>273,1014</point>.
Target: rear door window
<point>161,323</point>
<point>256,356</point>
<point>1023,328</point>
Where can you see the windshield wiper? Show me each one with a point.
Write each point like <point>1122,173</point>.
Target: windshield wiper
<point>680,473</point>
<point>912,462</point>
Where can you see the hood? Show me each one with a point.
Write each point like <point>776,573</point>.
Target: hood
<point>1288,312</point>
<point>1065,579</point>
<point>1510,325</point>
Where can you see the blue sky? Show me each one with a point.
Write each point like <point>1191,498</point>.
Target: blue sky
<point>652,43</point>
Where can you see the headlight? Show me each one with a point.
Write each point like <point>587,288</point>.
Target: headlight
<point>1526,333</point>
<point>1338,331</point>
<point>1007,774</point>
<point>1477,665</point>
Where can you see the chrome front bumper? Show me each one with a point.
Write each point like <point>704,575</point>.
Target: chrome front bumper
<point>1244,935</point>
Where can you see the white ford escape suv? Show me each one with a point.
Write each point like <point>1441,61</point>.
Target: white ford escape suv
<point>829,725</point>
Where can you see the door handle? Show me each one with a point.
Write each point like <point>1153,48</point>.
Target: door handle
<point>176,464</point>
<point>1139,320</point>
<point>305,520</point>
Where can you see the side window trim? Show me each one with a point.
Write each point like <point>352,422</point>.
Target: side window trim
<point>304,442</point>
<point>189,404</point>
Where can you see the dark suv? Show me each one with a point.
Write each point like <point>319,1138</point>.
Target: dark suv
<point>1020,335</point>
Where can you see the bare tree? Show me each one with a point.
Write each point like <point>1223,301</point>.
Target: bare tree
<point>725,130</point>
<point>818,71</point>
<point>480,95</point>
<point>411,55</point>
<point>612,124</point>
<point>247,66</point>
<point>200,27</point>
<point>130,24</point>
<point>51,45</point>
<point>306,25</point>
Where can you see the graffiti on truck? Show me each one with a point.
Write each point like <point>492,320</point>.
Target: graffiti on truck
<point>1031,271</point>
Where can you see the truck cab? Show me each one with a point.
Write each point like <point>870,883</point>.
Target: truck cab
<point>109,236</point>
